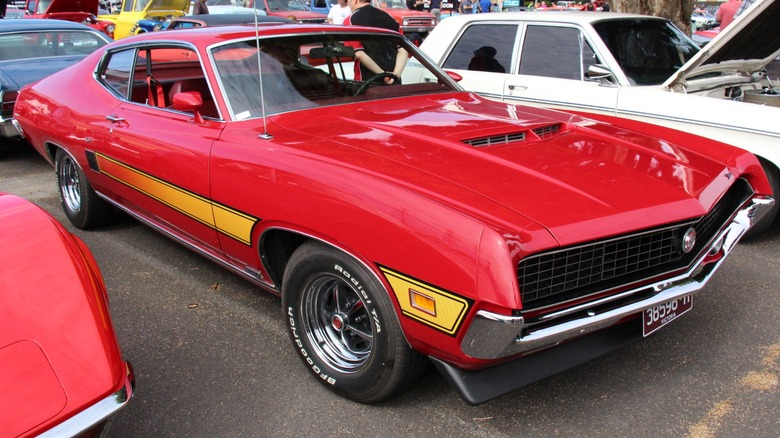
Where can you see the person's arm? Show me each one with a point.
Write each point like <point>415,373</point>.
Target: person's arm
<point>400,63</point>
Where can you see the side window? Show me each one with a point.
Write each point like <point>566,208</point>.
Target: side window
<point>553,52</point>
<point>117,72</point>
<point>161,73</point>
<point>588,56</point>
<point>484,47</point>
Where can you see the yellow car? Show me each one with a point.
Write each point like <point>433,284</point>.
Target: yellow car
<point>134,11</point>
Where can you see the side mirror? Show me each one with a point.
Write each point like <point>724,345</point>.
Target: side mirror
<point>189,101</point>
<point>454,76</point>
<point>600,72</point>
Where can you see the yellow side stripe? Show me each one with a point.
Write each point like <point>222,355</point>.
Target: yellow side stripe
<point>224,219</point>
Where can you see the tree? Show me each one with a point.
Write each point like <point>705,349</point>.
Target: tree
<point>679,11</point>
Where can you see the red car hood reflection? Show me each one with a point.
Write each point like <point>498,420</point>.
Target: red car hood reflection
<point>553,155</point>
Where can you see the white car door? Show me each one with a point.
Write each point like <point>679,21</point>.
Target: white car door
<point>551,70</point>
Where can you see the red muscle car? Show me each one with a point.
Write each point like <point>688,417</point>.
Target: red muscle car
<point>399,218</point>
<point>61,371</point>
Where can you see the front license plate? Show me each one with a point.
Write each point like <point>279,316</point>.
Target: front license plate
<point>656,317</point>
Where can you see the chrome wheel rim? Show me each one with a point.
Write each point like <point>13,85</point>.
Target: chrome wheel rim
<point>337,323</point>
<point>70,184</point>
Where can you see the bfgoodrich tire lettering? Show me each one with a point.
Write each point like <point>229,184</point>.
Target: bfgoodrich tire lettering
<point>343,326</point>
<point>82,205</point>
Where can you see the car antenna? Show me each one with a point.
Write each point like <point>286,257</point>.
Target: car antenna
<point>265,135</point>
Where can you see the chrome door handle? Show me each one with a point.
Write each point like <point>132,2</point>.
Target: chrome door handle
<point>114,119</point>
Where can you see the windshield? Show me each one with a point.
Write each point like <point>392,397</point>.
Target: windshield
<point>319,70</point>
<point>45,44</point>
<point>648,51</point>
<point>41,8</point>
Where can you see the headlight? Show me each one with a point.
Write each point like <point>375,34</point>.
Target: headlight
<point>157,27</point>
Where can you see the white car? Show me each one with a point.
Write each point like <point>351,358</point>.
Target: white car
<point>631,66</point>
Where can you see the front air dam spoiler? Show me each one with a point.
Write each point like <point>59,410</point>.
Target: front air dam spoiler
<point>479,386</point>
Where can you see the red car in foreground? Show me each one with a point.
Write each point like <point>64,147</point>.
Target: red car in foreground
<point>397,222</point>
<point>61,371</point>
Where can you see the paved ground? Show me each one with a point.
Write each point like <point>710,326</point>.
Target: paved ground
<point>212,357</point>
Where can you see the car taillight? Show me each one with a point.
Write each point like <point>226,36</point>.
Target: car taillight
<point>8,98</point>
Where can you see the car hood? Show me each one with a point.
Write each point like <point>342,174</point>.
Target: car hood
<point>746,46</point>
<point>21,72</point>
<point>447,150</point>
<point>58,6</point>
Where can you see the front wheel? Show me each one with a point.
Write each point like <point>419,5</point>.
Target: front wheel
<point>343,325</point>
<point>768,221</point>
<point>83,207</point>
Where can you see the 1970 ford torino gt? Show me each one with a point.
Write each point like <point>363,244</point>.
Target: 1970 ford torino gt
<point>398,217</point>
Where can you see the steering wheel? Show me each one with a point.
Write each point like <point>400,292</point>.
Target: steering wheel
<point>362,88</point>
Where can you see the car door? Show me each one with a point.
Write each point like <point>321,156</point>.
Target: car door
<point>551,70</point>
<point>157,157</point>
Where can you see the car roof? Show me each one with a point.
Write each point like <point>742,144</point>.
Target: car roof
<point>578,17</point>
<point>208,35</point>
<point>21,25</point>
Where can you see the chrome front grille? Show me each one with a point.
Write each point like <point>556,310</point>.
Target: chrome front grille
<point>419,21</point>
<point>570,273</point>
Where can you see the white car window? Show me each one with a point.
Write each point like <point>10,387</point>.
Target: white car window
<point>484,47</point>
<point>648,51</point>
<point>568,58</point>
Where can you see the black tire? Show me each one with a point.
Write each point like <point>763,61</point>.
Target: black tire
<point>83,207</point>
<point>343,326</point>
<point>768,221</point>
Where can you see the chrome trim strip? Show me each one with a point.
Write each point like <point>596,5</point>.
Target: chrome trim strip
<point>642,116</point>
<point>492,336</point>
<point>98,412</point>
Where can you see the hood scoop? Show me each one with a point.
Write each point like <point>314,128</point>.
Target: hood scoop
<point>538,133</point>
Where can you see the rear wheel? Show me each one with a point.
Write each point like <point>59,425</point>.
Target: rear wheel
<point>83,207</point>
<point>343,325</point>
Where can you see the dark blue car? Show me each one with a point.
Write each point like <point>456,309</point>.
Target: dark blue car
<point>33,49</point>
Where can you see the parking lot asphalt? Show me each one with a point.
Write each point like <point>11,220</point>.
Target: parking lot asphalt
<point>212,357</point>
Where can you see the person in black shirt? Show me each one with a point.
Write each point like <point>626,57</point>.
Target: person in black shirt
<point>376,57</point>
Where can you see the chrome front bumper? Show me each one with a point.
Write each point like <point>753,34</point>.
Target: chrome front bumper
<point>97,413</point>
<point>493,336</point>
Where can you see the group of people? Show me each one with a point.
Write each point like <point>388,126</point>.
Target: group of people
<point>475,6</point>
<point>589,5</point>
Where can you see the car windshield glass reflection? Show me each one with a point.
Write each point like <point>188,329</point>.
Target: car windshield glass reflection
<point>317,70</point>
<point>47,44</point>
<point>648,51</point>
